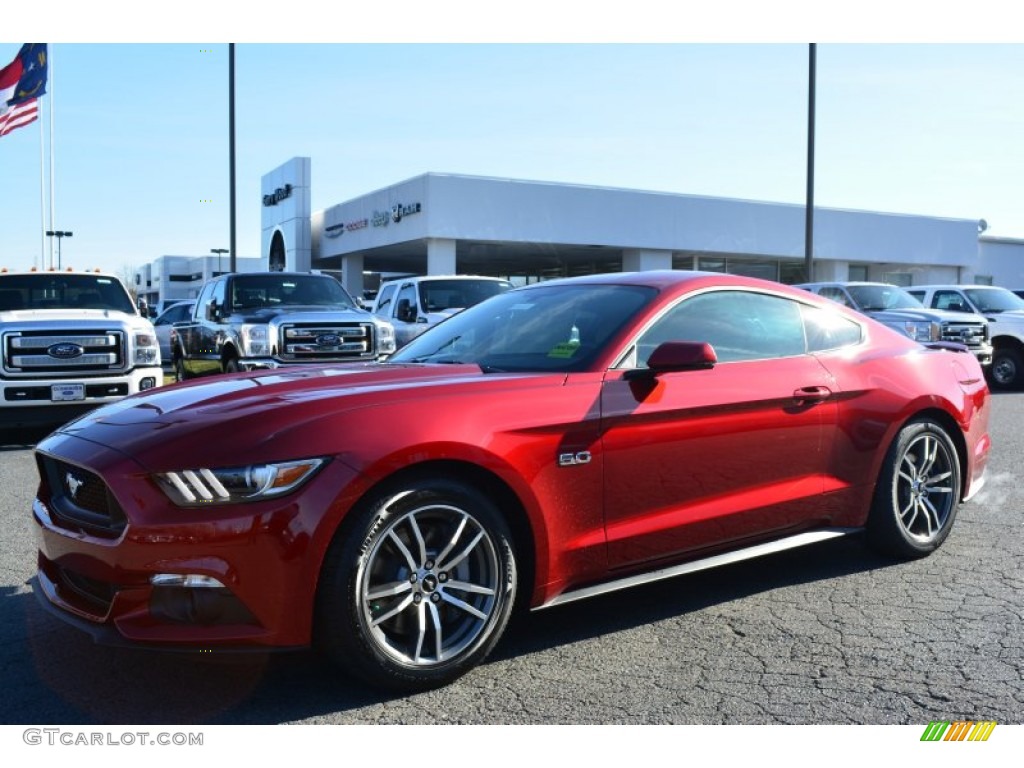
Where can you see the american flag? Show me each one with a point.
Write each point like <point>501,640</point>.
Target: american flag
<point>15,117</point>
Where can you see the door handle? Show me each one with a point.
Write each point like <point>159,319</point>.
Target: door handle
<point>812,394</point>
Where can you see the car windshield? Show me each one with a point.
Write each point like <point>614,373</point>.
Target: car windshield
<point>441,295</point>
<point>540,328</point>
<point>872,298</point>
<point>277,289</point>
<point>994,300</point>
<point>46,290</point>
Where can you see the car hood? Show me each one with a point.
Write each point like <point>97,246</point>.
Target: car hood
<point>296,313</point>
<point>924,315</point>
<point>1009,316</point>
<point>252,415</point>
<point>66,316</point>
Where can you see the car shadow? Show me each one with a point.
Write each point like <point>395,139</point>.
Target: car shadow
<point>19,438</point>
<point>56,674</point>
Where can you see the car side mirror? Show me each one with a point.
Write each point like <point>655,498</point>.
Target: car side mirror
<point>212,311</point>
<point>406,312</point>
<point>672,356</point>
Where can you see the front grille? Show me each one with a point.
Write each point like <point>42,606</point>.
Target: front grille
<point>16,394</point>
<point>70,351</point>
<point>318,342</point>
<point>969,334</point>
<point>79,500</point>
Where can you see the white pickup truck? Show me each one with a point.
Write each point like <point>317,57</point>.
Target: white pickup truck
<point>1004,311</point>
<point>70,341</point>
<point>413,304</point>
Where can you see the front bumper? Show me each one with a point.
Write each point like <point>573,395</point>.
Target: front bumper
<point>29,402</point>
<point>260,562</point>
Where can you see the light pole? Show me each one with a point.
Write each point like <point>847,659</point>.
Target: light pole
<point>219,252</point>
<point>60,235</point>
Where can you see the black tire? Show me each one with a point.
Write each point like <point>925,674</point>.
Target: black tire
<point>418,589</point>
<point>231,365</point>
<point>1007,369</point>
<point>918,492</point>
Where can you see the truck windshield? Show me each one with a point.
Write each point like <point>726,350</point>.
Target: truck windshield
<point>283,290</point>
<point>441,295</point>
<point>994,300</point>
<point>45,290</point>
<point>872,298</point>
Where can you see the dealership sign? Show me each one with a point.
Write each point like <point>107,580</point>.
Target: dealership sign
<point>279,194</point>
<point>337,230</point>
<point>396,214</point>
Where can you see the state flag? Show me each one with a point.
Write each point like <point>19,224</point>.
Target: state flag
<point>22,82</point>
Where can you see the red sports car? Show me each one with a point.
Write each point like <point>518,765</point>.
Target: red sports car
<point>552,443</point>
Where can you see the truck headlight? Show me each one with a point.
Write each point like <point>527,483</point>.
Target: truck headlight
<point>922,330</point>
<point>196,487</point>
<point>255,340</point>
<point>147,348</point>
<point>385,339</point>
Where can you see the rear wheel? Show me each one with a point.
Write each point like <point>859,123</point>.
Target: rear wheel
<point>231,365</point>
<point>918,492</point>
<point>420,588</point>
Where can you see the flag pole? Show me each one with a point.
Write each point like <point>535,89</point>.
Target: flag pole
<point>41,262</point>
<point>49,61</point>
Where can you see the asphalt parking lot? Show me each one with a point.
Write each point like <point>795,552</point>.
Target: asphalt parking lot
<point>825,635</point>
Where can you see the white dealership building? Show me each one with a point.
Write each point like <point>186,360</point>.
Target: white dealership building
<point>526,231</point>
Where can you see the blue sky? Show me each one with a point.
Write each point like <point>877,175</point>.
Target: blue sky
<point>141,129</point>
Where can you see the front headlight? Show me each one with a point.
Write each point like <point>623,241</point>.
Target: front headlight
<point>256,482</point>
<point>255,340</point>
<point>147,348</point>
<point>922,330</point>
<point>385,338</point>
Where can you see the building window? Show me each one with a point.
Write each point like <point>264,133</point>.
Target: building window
<point>983,280</point>
<point>857,273</point>
<point>902,279</point>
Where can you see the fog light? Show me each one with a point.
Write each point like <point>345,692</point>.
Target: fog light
<point>147,383</point>
<point>191,598</point>
<point>188,580</point>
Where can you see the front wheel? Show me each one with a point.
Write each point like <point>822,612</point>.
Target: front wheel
<point>1007,369</point>
<point>918,492</point>
<point>418,590</point>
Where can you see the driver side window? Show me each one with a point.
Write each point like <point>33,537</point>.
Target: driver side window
<point>739,325</point>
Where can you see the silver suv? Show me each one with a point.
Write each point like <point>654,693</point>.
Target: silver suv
<point>1004,311</point>
<point>896,308</point>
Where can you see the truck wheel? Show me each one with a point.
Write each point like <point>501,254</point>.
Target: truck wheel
<point>417,591</point>
<point>231,365</point>
<point>1007,368</point>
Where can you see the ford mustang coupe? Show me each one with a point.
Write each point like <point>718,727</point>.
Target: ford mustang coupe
<point>555,442</point>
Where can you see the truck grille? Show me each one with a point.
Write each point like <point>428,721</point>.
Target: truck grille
<point>969,334</point>
<point>317,342</point>
<point>78,499</point>
<point>80,352</point>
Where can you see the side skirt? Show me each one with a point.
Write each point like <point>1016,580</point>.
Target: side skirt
<point>748,553</point>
